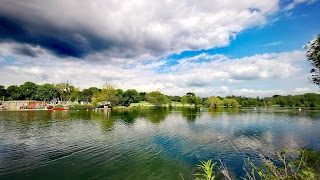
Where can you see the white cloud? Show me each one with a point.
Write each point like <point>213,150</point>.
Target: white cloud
<point>265,66</point>
<point>258,75</point>
<point>141,29</point>
<point>272,44</point>
<point>301,90</point>
<point>294,3</point>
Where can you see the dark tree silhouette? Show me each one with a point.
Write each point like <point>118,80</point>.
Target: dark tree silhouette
<point>313,55</point>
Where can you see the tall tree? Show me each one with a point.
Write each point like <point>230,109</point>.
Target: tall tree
<point>214,102</point>
<point>14,92</point>
<point>28,89</point>
<point>46,92</point>
<point>197,101</point>
<point>184,100</point>
<point>143,96</point>
<point>3,92</point>
<point>157,98</point>
<point>95,89</point>
<point>74,94</point>
<point>120,97</point>
<point>62,89</point>
<point>191,98</point>
<point>86,95</point>
<point>130,96</point>
<point>313,55</point>
<point>65,90</point>
<point>108,94</point>
<point>230,102</point>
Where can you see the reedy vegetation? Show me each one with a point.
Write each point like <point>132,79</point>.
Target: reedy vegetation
<point>305,167</point>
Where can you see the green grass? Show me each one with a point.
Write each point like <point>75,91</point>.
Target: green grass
<point>179,104</point>
<point>141,104</point>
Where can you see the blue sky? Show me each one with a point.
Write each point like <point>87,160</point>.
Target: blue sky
<point>286,31</point>
<point>248,48</point>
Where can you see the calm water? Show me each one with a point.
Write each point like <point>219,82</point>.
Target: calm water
<point>145,144</point>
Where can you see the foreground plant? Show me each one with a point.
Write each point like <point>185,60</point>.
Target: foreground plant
<point>207,168</point>
<point>306,167</point>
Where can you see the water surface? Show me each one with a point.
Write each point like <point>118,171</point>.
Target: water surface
<point>146,144</point>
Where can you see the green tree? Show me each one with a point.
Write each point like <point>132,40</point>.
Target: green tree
<point>198,101</point>
<point>74,94</point>
<point>244,103</point>
<point>3,92</point>
<point>313,55</point>
<point>253,102</point>
<point>311,99</point>
<point>28,90</point>
<point>14,92</point>
<point>230,102</point>
<point>190,94</point>
<point>157,98</point>
<point>214,102</point>
<point>130,96</point>
<point>227,102</point>
<point>95,89</point>
<point>269,103</point>
<point>234,103</point>
<point>120,97</point>
<point>291,101</point>
<point>184,100</point>
<point>191,98</point>
<point>143,96</point>
<point>86,95</point>
<point>46,92</point>
<point>65,91</point>
<point>283,101</point>
<point>62,89</point>
<point>107,95</point>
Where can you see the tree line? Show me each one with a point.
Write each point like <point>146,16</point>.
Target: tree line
<point>117,97</point>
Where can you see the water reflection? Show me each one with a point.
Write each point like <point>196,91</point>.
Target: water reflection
<point>146,143</point>
<point>129,116</point>
<point>191,114</point>
<point>156,116</point>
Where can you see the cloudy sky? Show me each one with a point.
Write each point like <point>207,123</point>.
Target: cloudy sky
<point>210,47</point>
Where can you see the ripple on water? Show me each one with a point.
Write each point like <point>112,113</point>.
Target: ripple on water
<point>88,145</point>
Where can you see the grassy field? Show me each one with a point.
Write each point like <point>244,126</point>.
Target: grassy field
<point>179,104</point>
<point>141,104</point>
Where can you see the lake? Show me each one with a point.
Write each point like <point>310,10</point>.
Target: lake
<point>147,143</point>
